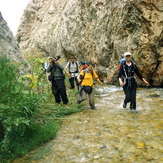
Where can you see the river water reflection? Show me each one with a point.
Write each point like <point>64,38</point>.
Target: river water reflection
<point>110,133</point>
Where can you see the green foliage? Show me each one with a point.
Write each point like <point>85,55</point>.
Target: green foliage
<point>135,56</point>
<point>28,115</point>
<point>122,13</point>
<point>90,17</point>
<point>89,3</point>
<point>17,109</point>
<point>135,40</point>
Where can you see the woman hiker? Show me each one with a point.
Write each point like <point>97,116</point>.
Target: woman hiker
<point>127,80</point>
<point>86,79</point>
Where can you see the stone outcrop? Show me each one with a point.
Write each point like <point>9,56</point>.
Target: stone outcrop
<point>8,45</point>
<point>99,31</point>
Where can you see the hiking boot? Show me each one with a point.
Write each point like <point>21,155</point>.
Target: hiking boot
<point>124,105</point>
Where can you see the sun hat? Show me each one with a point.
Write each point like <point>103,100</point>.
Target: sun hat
<point>127,53</point>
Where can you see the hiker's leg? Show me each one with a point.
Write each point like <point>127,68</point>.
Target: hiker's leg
<point>82,95</point>
<point>91,99</point>
<point>72,82</point>
<point>62,91</point>
<point>133,99</point>
<point>77,83</point>
<point>55,91</point>
<point>127,94</point>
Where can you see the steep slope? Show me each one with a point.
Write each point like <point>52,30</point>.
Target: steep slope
<point>8,44</point>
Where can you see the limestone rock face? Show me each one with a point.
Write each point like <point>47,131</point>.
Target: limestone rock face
<point>99,31</point>
<point>8,44</point>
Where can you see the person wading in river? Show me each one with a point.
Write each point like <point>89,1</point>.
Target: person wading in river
<point>86,79</point>
<point>127,80</point>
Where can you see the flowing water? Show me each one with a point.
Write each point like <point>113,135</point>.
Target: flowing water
<point>110,133</point>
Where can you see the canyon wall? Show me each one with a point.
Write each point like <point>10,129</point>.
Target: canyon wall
<point>99,31</point>
<point>8,45</point>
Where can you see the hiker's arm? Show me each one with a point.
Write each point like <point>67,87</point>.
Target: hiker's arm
<point>121,82</point>
<point>140,76</point>
<point>68,74</point>
<point>60,66</point>
<point>49,68</point>
<point>120,75</point>
<point>66,70</point>
<point>66,67</point>
<point>78,78</point>
<point>99,82</point>
<point>78,66</point>
<point>145,82</point>
<point>97,78</point>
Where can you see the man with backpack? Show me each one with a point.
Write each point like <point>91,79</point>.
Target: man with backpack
<point>57,78</point>
<point>127,80</point>
<point>86,79</point>
<point>73,67</point>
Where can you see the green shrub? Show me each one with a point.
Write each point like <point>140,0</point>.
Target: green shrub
<point>27,117</point>
<point>18,107</point>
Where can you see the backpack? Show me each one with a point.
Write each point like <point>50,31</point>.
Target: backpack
<point>76,66</point>
<point>84,65</point>
<point>122,60</point>
<point>50,77</point>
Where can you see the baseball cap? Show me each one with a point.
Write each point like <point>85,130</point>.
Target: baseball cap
<point>72,57</point>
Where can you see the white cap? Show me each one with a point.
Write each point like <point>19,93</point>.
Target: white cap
<point>127,53</point>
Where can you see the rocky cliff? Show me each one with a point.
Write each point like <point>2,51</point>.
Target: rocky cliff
<point>8,45</point>
<point>99,31</point>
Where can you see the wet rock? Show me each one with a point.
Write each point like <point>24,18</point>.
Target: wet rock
<point>76,137</point>
<point>104,146</point>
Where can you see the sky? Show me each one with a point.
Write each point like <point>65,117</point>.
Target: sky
<point>12,11</point>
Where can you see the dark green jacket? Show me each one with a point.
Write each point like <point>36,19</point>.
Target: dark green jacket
<point>56,71</point>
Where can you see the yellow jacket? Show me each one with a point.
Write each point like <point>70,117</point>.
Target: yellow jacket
<point>88,78</point>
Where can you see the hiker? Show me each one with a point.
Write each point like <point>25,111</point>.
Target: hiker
<point>73,67</point>
<point>86,79</point>
<point>57,79</point>
<point>127,80</point>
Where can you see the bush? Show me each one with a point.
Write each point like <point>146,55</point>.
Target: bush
<point>27,117</point>
<point>18,107</point>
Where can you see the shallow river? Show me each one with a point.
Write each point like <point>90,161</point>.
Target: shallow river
<point>110,133</point>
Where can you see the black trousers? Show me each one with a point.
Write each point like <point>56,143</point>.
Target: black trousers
<point>59,91</point>
<point>72,81</point>
<point>130,96</point>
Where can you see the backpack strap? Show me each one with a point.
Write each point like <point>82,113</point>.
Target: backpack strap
<point>69,66</point>
<point>85,70</point>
